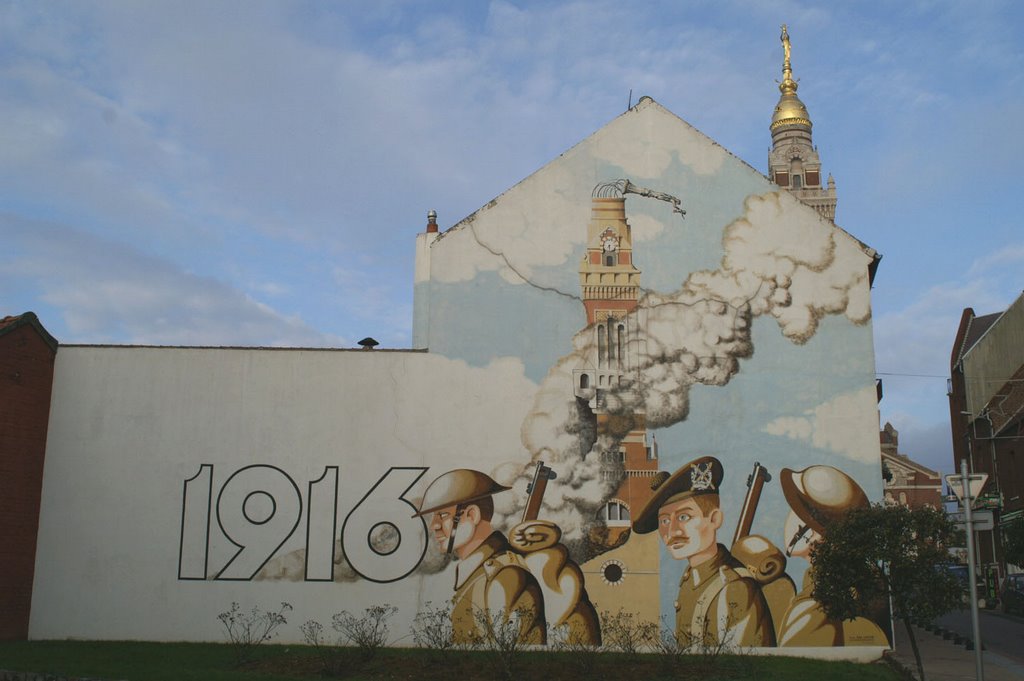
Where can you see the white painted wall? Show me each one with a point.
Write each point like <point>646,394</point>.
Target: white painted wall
<point>130,425</point>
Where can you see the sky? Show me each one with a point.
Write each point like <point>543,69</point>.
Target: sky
<point>254,173</point>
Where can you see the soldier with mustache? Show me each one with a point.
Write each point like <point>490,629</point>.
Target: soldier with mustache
<point>719,602</point>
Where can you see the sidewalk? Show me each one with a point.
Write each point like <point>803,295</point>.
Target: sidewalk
<point>946,661</point>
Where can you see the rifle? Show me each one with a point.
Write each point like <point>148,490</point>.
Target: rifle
<point>762,558</point>
<point>536,491</point>
<point>755,483</point>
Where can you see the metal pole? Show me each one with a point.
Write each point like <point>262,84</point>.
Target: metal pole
<point>972,587</point>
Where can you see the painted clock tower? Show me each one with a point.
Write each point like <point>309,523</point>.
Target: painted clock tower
<point>610,284</point>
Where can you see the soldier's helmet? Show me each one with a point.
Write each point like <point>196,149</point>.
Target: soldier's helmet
<point>460,486</point>
<point>820,495</point>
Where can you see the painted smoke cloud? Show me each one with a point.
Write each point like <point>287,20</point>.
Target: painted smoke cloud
<point>779,259</point>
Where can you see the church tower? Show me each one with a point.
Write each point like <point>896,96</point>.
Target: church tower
<point>610,284</point>
<point>793,162</point>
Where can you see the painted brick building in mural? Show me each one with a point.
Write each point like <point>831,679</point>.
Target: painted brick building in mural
<point>645,314</point>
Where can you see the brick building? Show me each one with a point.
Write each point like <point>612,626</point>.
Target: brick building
<point>986,404</point>
<point>27,354</point>
<point>907,482</point>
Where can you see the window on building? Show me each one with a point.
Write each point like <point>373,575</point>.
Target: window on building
<point>584,381</point>
<point>797,182</point>
<point>615,513</point>
<point>609,260</point>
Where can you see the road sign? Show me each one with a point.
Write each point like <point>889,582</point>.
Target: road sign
<point>982,520</point>
<point>975,482</point>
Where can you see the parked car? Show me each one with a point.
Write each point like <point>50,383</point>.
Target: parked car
<point>962,574</point>
<point>1012,593</point>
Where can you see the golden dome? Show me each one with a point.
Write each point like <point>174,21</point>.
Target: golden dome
<point>790,111</point>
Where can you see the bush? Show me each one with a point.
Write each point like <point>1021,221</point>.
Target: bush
<point>247,630</point>
<point>504,637</point>
<point>583,657</point>
<point>432,629</point>
<point>367,633</point>
<point>360,641</point>
<point>623,632</point>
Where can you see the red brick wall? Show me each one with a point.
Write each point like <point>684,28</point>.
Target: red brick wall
<point>26,380</point>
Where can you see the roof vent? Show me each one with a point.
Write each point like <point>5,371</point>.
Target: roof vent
<point>368,343</point>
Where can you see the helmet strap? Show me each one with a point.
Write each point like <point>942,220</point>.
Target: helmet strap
<point>800,534</point>
<point>459,508</point>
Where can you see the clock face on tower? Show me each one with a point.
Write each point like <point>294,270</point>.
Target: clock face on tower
<point>609,243</point>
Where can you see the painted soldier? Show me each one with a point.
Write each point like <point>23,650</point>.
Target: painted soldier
<point>490,584</point>
<point>819,495</point>
<point>719,602</point>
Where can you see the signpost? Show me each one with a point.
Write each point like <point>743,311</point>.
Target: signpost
<point>982,520</point>
<point>973,485</point>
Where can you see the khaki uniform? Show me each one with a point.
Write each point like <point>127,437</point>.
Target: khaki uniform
<point>490,584</point>
<point>805,624</point>
<point>720,603</point>
<point>567,606</point>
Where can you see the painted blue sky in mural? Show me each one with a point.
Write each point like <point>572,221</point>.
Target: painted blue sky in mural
<point>254,173</point>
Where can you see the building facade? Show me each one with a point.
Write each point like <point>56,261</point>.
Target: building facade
<point>643,302</point>
<point>986,404</point>
<point>907,482</point>
<point>27,354</point>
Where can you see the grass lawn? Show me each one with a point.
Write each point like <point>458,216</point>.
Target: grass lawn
<point>134,661</point>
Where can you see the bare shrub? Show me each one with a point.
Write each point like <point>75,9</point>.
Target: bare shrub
<point>701,653</point>
<point>624,632</point>
<point>432,629</point>
<point>247,630</point>
<point>360,639</point>
<point>333,660</point>
<point>504,637</point>
<point>583,657</point>
<point>369,632</point>
<point>674,648</point>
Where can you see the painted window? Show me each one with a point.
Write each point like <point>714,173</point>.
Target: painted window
<point>615,513</point>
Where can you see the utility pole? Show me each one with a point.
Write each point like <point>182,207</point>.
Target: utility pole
<point>967,487</point>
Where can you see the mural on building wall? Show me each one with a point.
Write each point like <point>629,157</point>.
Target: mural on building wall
<point>585,534</point>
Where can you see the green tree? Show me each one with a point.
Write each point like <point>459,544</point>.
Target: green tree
<point>1013,542</point>
<point>882,551</point>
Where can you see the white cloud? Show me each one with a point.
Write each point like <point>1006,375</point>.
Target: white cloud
<point>108,292</point>
<point>184,130</point>
<point>836,425</point>
<point>1010,256</point>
